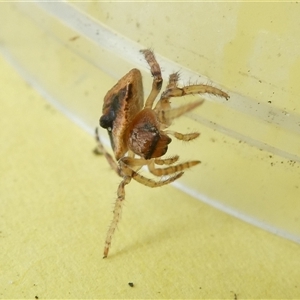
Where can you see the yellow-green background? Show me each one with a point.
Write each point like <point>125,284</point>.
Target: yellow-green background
<point>57,197</point>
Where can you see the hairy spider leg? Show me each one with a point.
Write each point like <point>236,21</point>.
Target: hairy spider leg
<point>166,161</point>
<point>172,84</point>
<point>173,90</point>
<point>131,162</point>
<point>166,114</point>
<point>116,214</point>
<point>171,169</point>
<point>173,80</point>
<point>192,90</point>
<point>183,137</point>
<point>157,79</point>
<point>129,174</point>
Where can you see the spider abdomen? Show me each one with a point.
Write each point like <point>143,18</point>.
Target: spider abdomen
<point>145,139</point>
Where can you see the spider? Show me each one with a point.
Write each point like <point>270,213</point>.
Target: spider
<point>139,133</point>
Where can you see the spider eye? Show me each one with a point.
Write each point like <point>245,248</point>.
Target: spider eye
<point>106,121</point>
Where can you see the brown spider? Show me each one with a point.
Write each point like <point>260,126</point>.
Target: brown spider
<point>140,130</point>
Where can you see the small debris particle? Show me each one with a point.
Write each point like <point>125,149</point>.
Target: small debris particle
<point>235,296</point>
<point>36,297</point>
<point>131,284</point>
<point>269,101</point>
<point>74,38</point>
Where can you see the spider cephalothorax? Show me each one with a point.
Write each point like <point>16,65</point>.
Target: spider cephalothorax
<point>139,133</point>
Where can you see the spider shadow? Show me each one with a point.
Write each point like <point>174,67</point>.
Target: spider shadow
<point>166,231</point>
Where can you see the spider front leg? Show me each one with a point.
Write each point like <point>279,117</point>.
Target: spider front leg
<point>162,108</point>
<point>192,90</point>
<point>156,73</point>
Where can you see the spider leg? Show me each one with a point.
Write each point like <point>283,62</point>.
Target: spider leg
<point>101,150</point>
<point>157,79</point>
<point>127,163</point>
<point>166,161</point>
<point>152,183</point>
<point>117,214</point>
<point>171,169</point>
<point>183,137</point>
<point>128,175</point>
<point>173,80</point>
<point>173,90</point>
<point>172,84</point>
<point>166,116</point>
<point>192,90</point>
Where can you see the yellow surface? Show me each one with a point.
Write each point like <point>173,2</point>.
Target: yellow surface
<point>56,202</point>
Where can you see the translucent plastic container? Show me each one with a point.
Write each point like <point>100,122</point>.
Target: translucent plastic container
<point>249,145</point>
